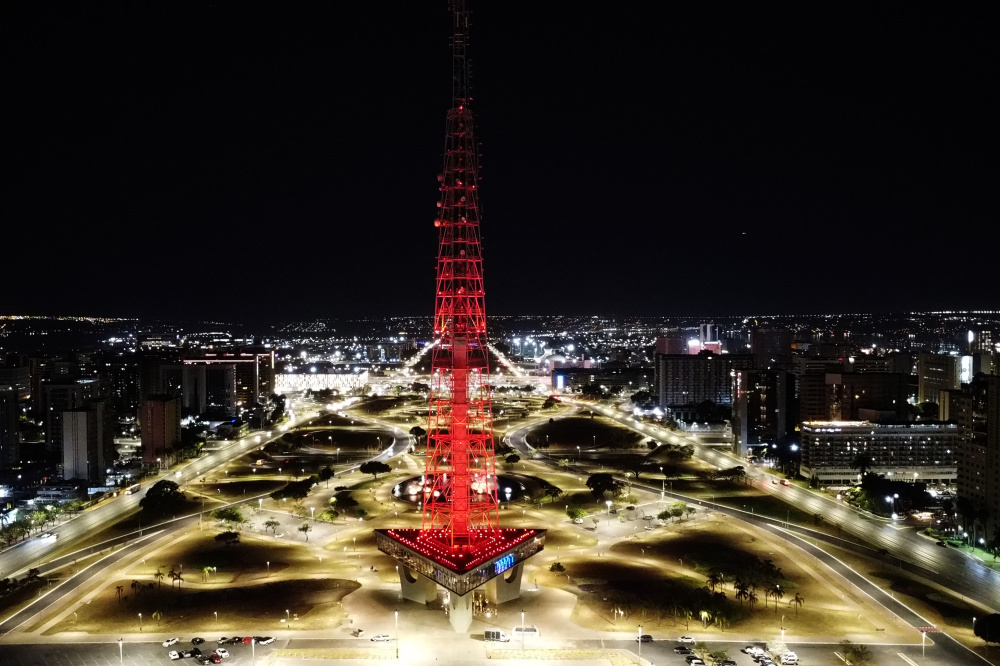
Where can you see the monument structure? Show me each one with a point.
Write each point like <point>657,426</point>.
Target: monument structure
<point>461,545</point>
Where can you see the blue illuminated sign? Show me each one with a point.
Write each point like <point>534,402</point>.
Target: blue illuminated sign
<point>504,563</point>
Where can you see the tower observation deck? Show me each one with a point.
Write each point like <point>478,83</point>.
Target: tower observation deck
<point>460,544</point>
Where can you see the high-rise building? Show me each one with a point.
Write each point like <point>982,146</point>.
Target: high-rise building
<point>919,452</point>
<point>762,408</point>
<point>18,378</point>
<point>975,409</point>
<point>161,427</point>
<point>61,395</point>
<point>10,449</point>
<point>936,372</point>
<point>254,376</point>
<point>771,347</point>
<point>84,442</point>
<point>120,373</point>
<point>671,343</point>
<point>209,387</point>
<point>684,380</point>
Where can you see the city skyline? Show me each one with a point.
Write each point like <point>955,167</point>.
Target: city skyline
<point>642,161</point>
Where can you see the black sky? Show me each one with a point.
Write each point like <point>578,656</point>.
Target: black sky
<point>263,161</point>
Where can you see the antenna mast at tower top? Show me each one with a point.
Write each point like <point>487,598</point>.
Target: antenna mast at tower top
<point>459,59</point>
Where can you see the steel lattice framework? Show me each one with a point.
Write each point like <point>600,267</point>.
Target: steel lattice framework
<point>461,496</point>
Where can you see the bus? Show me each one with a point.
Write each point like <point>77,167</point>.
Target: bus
<point>132,489</point>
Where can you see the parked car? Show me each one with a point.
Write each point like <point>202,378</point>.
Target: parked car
<point>195,652</point>
<point>578,521</point>
<point>682,649</point>
<point>691,658</point>
<point>222,652</point>
<point>266,640</point>
<point>204,659</point>
<point>645,638</point>
<point>173,655</point>
<point>214,658</point>
<point>685,639</point>
<point>727,662</point>
<point>197,641</point>
<point>630,507</point>
<point>380,638</point>
<point>784,482</point>
<point>789,659</point>
<point>171,641</point>
<point>246,640</point>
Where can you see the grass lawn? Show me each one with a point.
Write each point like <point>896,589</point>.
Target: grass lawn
<point>583,431</point>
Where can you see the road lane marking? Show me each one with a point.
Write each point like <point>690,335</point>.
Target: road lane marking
<point>906,659</point>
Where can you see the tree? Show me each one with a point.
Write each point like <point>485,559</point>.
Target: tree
<point>777,593</point>
<point>326,474</point>
<point>305,528</point>
<point>159,578</point>
<point>988,628</point>
<point>564,463</point>
<point>121,588</point>
<point>271,524</point>
<point>714,580</point>
<point>206,572</point>
<point>797,601</point>
<point>677,509</point>
<point>855,655</point>
<point>374,467</point>
<point>576,512</point>
<point>601,483</point>
<point>862,462</point>
<point>157,615</point>
<point>552,493</point>
<point>664,515</point>
<point>549,403</point>
<point>557,568</point>
<point>229,514</point>
<point>162,497</point>
<point>418,433</point>
<point>513,459</point>
<point>228,538</point>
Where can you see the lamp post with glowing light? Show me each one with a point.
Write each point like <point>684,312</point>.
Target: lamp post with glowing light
<point>396,613</point>
<point>121,650</point>
<point>522,631</point>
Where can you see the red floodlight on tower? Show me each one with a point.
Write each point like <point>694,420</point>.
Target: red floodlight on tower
<point>461,501</point>
<point>460,545</point>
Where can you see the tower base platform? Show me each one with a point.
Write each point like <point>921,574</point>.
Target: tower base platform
<point>496,561</point>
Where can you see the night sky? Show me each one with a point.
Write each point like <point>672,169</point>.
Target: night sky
<point>260,162</point>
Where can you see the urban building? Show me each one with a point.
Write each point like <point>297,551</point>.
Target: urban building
<point>771,347</point>
<point>61,395</point>
<point>683,380</point>
<point>18,378</point>
<point>85,435</point>
<point>920,452</point>
<point>975,409</point>
<point>160,427</point>
<point>120,374</point>
<point>936,373</point>
<point>254,380</point>
<point>840,390</point>
<point>672,343</point>
<point>209,387</point>
<point>763,410</point>
<point>628,380</point>
<point>10,414</point>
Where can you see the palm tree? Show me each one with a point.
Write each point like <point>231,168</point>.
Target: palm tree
<point>776,594</point>
<point>797,601</point>
<point>136,585</point>
<point>706,617</point>
<point>742,592</point>
<point>205,571</point>
<point>180,579</point>
<point>862,462</point>
<point>271,524</point>
<point>119,589</point>
<point>157,615</point>
<point>752,599</point>
<point>714,580</point>
<point>159,577</point>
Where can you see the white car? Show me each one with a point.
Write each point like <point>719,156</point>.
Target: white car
<point>173,655</point>
<point>222,652</point>
<point>267,640</point>
<point>578,521</point>
<point>790,658</point>
<point>380,638</point>
<point>685,639</point>
<point>171,641</point>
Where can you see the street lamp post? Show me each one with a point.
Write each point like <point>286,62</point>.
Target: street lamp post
<point>121,651</point>
<point>578,455</point>
<point>140,623</point>
<point>639,639</point>
<point>312,512</point>
<point>522,631</point>
<point>396,613</point>
<point>216,614</point>
<point>287,615</point>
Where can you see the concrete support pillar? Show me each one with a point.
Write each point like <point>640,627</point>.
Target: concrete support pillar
<point>460,611</point>
<point>416,587</point>
<point>506,586</point>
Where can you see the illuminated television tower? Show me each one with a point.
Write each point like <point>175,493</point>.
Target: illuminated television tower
<point>460,545</point>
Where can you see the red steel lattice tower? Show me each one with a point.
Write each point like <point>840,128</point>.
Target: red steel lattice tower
<point>460,505</point>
